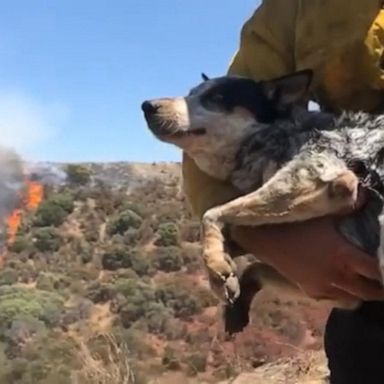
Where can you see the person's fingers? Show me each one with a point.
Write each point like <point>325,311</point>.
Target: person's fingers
<point>364,265</point>
<point>345,299</point>
<point>359,287</point>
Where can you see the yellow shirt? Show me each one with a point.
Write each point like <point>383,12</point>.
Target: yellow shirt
<point>342,41</point>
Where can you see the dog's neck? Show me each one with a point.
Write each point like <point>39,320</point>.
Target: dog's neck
<point>221,163</point>
<point>219,166</point>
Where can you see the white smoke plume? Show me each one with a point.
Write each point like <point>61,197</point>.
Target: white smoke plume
<point>11,181</point>
<point>25,122</point>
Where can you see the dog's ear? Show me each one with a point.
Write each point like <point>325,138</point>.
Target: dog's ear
<point>205,77</point>
<point>288,90</point>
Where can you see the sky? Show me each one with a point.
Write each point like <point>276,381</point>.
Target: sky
<point>74,73</point>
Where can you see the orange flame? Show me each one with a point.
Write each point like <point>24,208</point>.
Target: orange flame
<point>33,197</point>
<point>13,224</point>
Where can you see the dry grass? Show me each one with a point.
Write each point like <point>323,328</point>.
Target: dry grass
<point>307,368</point>
<point>114,369</point>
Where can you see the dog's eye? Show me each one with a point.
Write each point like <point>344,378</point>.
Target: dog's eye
<point>217,98</point>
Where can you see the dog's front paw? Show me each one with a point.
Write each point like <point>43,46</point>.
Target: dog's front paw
<point>223,279</point>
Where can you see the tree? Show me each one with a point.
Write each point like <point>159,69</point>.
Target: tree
<point>49,214</point>
<point>17,301</point>
<point>47,239</point>
<point>8,276</point>
<point>21,243</point>
<point>175,294</point>
<point>139,299</point>
<point>53,211</point>
<point>77,174</point>
<point>168,235</point>
<point>115,258</point>
<point>124,221</point>
<point>64,200</point>
<point>167,259</point>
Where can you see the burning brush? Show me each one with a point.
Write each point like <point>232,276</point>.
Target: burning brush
<point>18,193</point>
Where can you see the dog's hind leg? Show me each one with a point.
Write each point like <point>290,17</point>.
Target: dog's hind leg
<point>313,186</point>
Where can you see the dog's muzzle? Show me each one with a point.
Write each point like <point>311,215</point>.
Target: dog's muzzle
<point>155,117</point>
<point>149,108</point>
<point>160,116</point>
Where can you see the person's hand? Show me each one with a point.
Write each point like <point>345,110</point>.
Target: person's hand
<point>317,258</point>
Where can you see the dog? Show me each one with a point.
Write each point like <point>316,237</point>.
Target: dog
<point>288,163</point>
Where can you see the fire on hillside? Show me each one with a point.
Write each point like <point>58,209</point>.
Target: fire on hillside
<point>29,198</point>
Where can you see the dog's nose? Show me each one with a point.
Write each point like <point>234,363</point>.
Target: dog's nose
<point>149,108</point>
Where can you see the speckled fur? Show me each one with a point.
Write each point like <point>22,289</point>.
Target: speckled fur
<point>351,138</point>
<point>357,140</point>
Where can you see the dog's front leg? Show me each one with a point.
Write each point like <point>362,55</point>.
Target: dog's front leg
<point>295,193</point>
<point>220,266</point>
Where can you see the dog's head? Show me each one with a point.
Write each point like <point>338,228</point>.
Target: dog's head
<point>217,115</point>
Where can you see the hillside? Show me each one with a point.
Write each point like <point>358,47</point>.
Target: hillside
<point>112,249</point>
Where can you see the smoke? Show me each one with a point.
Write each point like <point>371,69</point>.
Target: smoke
<point>11,182</point>
<point>26,123</point>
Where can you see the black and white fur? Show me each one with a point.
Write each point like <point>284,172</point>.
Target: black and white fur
<point>258,136</point>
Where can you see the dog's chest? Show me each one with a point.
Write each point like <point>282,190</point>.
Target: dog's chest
<point>262,154</point>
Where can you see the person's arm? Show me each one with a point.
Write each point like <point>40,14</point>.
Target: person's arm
<point>315,256</point>
<point>332,268</point>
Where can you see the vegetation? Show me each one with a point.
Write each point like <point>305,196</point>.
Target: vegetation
<point>77,174</point>
<point>120,257</point>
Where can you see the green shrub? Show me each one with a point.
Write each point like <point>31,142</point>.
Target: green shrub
<point>78,174</point>
<point>50,359</point>
<point>124,221</point>
<point>99,292</point>
<point>47,240</point>
<point>17,301</point>
<point>49,214</point>
<point>156,317</point>
<point>132,237</point>
<point>53,212</point>
<point>48,281</point>
<point>22,328</point>
<point>175,294</point>
<point>21,243</point>
<point>136,207</point>
<point>64,200</point>
<point>139,297</point>
<point>167,259</point>
<point>140,263</point>
<point>192,257</point>
<point>8,276</point>
<point>116,257</point>
<point>196,362</point>
<point>168,235</point>
<point>123,257</point>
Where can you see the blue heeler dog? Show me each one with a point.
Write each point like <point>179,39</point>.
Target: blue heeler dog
<point>289,165</point>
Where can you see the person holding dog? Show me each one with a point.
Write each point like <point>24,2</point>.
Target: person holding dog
<point>342,41</point>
